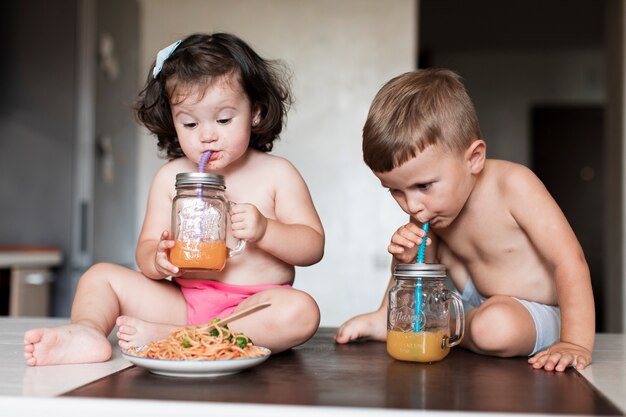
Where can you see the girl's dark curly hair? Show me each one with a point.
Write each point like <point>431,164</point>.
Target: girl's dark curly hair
<point>201,59</point>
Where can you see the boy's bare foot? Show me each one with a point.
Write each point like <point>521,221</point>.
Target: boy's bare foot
<point>371,325</point>
<point>136,332</point>
<point>74,343</point>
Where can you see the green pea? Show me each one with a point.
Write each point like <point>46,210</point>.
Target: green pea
<point>186,342</point>
<point>242,342</point>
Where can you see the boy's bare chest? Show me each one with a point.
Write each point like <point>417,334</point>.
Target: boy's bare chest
<point>485,236</point>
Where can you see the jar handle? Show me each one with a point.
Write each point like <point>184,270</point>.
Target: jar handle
<point>459,331</point>
<point>241,244</point>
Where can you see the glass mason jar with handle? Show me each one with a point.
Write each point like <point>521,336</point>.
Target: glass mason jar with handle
<point>201,223</point>
<point>419,313</point>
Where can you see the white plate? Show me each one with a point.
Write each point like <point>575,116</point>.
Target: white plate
<point>196,368</point>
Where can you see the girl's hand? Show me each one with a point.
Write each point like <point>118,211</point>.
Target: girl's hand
<point>405,243</point>
<point>247,222</point>
<point>561,355</point>
<point>161,260</point>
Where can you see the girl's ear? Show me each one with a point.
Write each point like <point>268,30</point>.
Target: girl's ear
<point>256,115</point>
<point>475,155</point>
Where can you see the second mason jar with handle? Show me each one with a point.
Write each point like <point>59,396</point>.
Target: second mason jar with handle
<point>419,325</point>
<point>201,223</point>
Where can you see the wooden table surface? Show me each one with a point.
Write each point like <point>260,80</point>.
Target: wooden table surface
<point>322,373</point>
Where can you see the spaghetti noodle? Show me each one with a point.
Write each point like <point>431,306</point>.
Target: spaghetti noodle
<point>200,343</point>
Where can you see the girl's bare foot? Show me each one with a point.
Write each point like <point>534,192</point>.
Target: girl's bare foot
<point>136,332</point>
<point>74,343</point>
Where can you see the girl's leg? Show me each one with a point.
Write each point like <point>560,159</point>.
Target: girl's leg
<point>290,321</point>
<point>501,326</point>
<point>104,292</point>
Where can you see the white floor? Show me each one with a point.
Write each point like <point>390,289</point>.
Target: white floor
<point>27,391</point>
<point>17,379</point>
<point>608,370</point>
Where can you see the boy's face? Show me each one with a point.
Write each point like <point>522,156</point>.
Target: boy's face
<point>433,186</point>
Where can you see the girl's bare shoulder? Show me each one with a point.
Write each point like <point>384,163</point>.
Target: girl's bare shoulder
<point>275,164</point>
<point>176,166</point>
<point>166,174</point>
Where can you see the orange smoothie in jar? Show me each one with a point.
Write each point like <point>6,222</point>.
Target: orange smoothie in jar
<point>416,346</point>
<point>199,255</point>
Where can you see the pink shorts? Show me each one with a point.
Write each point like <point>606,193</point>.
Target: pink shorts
<point>208,299</point>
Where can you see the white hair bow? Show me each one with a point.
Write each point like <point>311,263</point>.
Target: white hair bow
<point>162,56</point>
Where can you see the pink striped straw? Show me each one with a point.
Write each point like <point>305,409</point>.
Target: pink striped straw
<point>203,160</point>
<point>202,165</point>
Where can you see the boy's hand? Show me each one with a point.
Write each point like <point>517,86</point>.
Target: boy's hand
<point>371,325</point>
<point>247,222</point>
<point>161,260</point>
<point>561,355</point>
<point>405,243</point>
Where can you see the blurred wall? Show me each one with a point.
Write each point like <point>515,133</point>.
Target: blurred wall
<point>37,120</point>
<point>340,52</point>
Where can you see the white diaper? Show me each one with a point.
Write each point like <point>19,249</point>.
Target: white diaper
<point>547,318</point>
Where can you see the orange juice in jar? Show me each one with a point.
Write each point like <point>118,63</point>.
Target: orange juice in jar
<point>199,255</point>
<point>419,314</point>
<point>200,223</point>
<point>417,347</point>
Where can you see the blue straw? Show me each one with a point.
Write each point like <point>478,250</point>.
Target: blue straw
<point>422,249</point>
<point>418,305</point>
<point>418,286</point>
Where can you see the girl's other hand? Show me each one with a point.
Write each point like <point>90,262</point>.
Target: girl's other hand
<point>247,222</point>
<point>161,261</point>
<point>405,243</point>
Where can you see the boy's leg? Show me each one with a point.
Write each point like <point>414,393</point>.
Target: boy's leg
<point>104,292</point>
<point>291,320</point>
<point>501,326</point>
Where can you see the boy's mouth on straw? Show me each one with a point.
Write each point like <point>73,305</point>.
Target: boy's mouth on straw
<point>422,220</point>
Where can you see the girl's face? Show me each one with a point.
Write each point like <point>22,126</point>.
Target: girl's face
<point>431,187</point>
<point>216,118</point>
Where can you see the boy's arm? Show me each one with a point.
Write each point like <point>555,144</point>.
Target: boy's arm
<point>373,325</point>
<point>296,236</point>
<point>544,222</point>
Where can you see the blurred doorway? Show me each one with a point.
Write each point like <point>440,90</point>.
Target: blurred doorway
<point>568,149</point>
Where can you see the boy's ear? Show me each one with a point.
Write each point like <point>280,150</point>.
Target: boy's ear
<point>475,156</point>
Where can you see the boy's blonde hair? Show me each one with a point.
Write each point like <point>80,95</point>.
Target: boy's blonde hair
<point>415,110</point>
